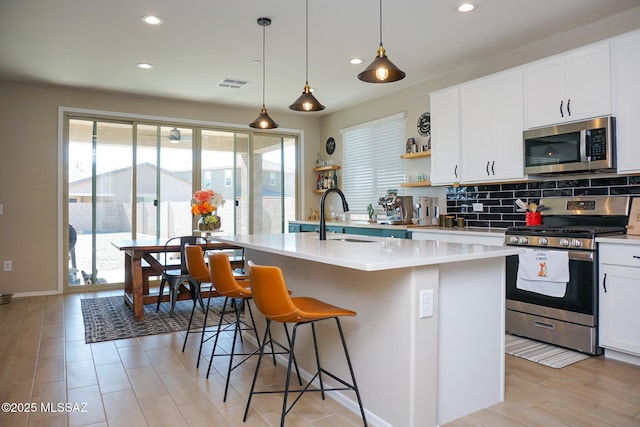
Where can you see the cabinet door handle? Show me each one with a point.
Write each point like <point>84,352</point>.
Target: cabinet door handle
<point>561,111</point>
<point>493,170</point>
<point>636,257</point>
<point>604,283</point>
<point>488,169</point>
<point>455,171</point>
<point>569,106</point>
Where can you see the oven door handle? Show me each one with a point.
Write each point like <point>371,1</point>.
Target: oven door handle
<point>582,256</point>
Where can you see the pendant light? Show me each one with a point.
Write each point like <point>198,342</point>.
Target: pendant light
<point>306,101</point>
<point>263,121</point>
<point>174,136</point>
<point>381,70</point>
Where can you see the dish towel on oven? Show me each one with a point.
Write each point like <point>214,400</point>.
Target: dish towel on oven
<point>544,272</point>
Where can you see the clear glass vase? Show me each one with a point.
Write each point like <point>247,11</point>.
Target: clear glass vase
<point>209,222</point>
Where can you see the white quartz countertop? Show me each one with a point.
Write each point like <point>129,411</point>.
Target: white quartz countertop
<point>621,240</point>
<point>366,252</point>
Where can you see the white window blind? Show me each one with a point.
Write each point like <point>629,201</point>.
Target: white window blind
<point>371,162</point>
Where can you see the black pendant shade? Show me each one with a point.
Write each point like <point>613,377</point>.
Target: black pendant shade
<point>263,121</point>
<point>306,101</point>
<point>381,70</point>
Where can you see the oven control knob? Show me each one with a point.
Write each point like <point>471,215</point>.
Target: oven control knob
<point>564,242</point>
<point>543,241</point>
<point>576,243</point>
<point>513,239</point>
<point>523,240</point>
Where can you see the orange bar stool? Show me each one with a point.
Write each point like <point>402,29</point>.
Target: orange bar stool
<point>199,271</point>
<point>235,292</point>
<point>274,302</point>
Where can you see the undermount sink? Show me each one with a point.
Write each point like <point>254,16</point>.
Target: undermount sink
<point>352,240</point>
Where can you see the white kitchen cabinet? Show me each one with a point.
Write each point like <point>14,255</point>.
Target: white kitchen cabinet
<point>491,123</point>
<point>619,319</point>
<point>569,87</point>
<point>626,69</point>
<point>445,137</point>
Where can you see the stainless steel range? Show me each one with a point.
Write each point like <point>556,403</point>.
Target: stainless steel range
<point>552,289</point>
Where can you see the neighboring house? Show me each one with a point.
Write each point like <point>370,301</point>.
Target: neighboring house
<point>113,194</point>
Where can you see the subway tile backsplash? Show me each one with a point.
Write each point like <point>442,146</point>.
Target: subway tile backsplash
<point>499,199</point>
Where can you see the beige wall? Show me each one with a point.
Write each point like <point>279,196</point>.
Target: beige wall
<point>29,145</point>
<point>29,234</point>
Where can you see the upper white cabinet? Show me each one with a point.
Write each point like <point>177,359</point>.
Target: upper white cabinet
<point>626,78</point>
<point>445,137</point>
<point>491,122</point>
<point>569,87</point>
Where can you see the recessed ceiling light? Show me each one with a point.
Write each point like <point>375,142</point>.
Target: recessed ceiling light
<point>356,61</point>
<point>466,7</point>
<point>151,20</point>
<point>144,65</point>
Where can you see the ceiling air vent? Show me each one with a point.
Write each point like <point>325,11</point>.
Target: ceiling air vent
<point>232,83</point>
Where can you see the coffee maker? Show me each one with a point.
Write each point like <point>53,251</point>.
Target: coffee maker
<point>426,210</point>
<point>398,209</point>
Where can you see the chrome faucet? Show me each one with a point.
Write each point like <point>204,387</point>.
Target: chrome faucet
<point>323,223</point>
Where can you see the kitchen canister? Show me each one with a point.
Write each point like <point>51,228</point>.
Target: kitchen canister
<point>449,221</point>
<point>460,222</point>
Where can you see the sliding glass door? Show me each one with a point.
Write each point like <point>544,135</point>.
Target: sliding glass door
<point>164,177</point>
<point>135,180</point>
<point>99,199</point>
<point>274,183</point>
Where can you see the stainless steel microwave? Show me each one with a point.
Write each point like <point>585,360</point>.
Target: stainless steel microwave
<point>571,147</point>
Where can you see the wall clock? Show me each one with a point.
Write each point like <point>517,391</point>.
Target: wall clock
<point>331,145</point>
<point>424,124</point>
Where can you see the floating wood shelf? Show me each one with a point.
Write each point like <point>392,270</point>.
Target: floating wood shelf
<point>319,191</point>
<point>326,168</point>
<point>414,155</point>
<point>416,184</point>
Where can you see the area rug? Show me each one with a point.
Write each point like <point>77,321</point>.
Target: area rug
<point>109,318</point>
<point>542,353</point>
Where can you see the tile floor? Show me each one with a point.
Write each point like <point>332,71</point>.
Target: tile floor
<point>145,381</point>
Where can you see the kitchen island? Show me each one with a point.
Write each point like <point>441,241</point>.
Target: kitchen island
<point>416,364</point>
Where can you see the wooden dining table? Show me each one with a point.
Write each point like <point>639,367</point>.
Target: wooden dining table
<point>140,263</point>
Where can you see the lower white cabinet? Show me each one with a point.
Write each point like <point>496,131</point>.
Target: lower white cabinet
<point>619,321</point>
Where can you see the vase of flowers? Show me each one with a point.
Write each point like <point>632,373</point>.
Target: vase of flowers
<point>205,204</point>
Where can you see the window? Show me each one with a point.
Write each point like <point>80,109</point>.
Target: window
<point>228,173</point>
<point>371,160</point>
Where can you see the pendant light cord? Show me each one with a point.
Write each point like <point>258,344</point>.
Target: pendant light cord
<point>263,64</point>
<point>307,43</point>
<point>380,22</point>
